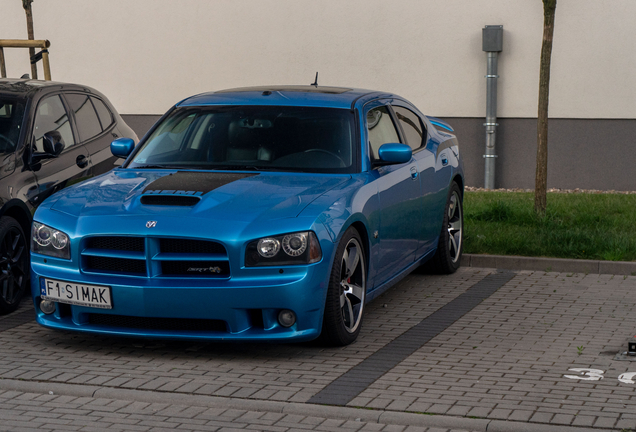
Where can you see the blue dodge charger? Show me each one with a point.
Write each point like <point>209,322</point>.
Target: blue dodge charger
<point>253,214</point>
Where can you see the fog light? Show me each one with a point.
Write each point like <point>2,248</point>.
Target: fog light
<point>286,318</point>
<point>47,306</point>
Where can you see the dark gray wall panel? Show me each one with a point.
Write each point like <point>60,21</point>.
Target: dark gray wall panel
<point>582,153</point>
<point>585,154</point>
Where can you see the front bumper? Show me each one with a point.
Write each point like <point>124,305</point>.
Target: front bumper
<point>240,308</point>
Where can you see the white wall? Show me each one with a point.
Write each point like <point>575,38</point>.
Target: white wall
<point>148,54</point>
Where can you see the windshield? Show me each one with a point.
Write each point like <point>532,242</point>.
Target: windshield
<point>252,138</point>
<point>11,115</point>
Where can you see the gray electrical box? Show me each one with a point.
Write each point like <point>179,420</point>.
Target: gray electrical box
<point>492,38</point>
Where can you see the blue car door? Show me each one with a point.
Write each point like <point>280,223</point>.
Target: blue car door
<point>415,134</point>
<point>401,228</point>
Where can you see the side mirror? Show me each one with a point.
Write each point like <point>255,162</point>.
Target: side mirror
<point>52,143</point>
<point>394,153</point>
<point>122,147</point>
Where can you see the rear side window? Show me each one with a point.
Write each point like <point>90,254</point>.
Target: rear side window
<point>414,131</point>
<point>86,118</point>
<point>105,116</point>
<point>381,129</point>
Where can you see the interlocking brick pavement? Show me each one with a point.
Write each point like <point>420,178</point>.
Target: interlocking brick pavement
<point>505,360</point>
<point>255,371</point>
<point>32,411</point>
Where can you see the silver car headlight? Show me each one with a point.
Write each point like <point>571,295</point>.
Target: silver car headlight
<point>49,241</point>
<point>287,249</point>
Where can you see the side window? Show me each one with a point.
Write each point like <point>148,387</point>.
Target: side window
<point>11,116</point>
<point>381,129</point>
<point>105,116</point>
<point>85,116</point>
<point>414,131</point>
<point>51,116</point>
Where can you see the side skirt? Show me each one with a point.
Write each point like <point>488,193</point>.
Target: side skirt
<point>408,270</point>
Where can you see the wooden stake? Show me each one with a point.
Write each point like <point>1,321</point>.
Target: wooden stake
<point>29,18</point>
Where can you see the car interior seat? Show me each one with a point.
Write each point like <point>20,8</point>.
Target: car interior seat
<point>247,143</point>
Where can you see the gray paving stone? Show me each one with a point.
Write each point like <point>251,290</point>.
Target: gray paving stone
<point>583,420</point>
<point>626,424</point>
<point>605,422</point>
<point>520,415</point>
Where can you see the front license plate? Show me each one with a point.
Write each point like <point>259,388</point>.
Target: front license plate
<point>97,296</point>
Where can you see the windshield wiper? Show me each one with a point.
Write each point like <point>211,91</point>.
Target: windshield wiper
<point>152,167</point>
<point>240,168</point>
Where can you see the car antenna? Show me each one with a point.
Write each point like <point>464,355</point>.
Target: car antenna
<point>315,83</point>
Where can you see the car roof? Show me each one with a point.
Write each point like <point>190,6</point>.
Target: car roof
<point>310,96</point>
<point>28,87</point>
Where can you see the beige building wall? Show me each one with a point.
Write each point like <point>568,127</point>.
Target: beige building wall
<point>148,54</point>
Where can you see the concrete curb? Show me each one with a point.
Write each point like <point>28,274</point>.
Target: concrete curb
<point>322,411</point>
<point>550,264</point>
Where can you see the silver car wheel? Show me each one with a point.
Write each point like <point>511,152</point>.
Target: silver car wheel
<point>353,285</point>
<point>454,227</point>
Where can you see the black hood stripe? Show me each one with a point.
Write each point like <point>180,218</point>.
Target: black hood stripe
<point>192,183</point>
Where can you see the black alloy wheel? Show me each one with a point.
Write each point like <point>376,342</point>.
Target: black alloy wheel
<point>14,264</point>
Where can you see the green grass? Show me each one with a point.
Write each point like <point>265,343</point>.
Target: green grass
<point>582,226</point>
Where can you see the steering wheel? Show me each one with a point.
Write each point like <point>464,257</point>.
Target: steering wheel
<point>329,153</point>
<point>9,143</point>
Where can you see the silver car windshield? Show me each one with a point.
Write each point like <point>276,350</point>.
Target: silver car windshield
<point>276,138</point>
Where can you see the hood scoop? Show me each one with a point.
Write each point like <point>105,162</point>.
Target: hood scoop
<point>170,200</point>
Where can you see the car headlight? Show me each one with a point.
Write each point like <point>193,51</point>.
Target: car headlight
<point>49,241</point>
<point>286,249</point>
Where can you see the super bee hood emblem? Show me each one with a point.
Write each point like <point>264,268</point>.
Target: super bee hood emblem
<point>151,224</point>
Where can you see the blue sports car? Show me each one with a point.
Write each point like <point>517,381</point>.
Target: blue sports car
<point>253,214</point>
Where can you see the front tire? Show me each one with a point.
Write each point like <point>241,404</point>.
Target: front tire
<point>447,259</point>
<point>14,264</point>
<point>346,293</point>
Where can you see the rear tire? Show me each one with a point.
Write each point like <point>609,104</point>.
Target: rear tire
<point>14,264</point>
<point>346,294</point>
<point>448,257</point>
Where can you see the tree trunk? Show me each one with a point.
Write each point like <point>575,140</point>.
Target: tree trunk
<point>29,18</point>
<point>541,179</point>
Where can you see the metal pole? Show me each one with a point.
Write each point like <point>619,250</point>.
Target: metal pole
<point>491,120</point>
<point>492,43</point>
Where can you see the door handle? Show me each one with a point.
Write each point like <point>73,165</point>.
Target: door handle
<point>414,173</point>
<point>81,161</point>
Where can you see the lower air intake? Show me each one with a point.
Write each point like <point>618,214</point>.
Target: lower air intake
<point>169,324</point>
